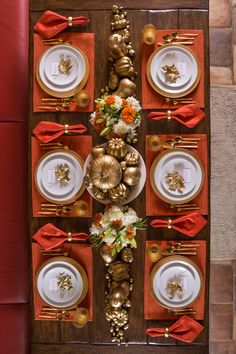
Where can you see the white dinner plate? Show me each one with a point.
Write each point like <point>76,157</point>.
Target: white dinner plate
<point>135,191</point>
<point>63,85</point>
<point>48,185</point>
<point>184,59</point>
<point>52,72</point>
<point>179,268</point>
<point>188,166</point>
<point>47,278</point>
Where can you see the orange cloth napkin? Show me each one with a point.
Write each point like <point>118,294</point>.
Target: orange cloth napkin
<point>82,146</point>
<point>185,329</point>
<point>150,98</point>
<point>49,236</point>
<point>51,23</point>
<point>85,42</point>
<point>48,131</point>
<point>152,310</point>
<point>80,253</point>
<point>189,225</point>
<point>154,205</point>
<point>189,115</point>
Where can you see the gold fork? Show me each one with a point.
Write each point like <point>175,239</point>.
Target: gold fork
<point>54,41</point>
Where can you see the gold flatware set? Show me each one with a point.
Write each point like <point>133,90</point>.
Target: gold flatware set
<point>54,252</point>
<point>54,313</point>
<point>183,207</point>
<point>54,41</point>
<point>52,146</point>
<point>176,37</point>
<point>181,312</point>
<point>54,104</point>
<point>176,101</point>
<point>54,209</point>
<point>155,252</point>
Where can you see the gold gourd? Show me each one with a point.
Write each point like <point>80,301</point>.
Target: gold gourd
<point>98,193</point>
<point>149,34</point>
<point>113,81</point>
<point>123,284</point>
<point>131,175</point>
<point>82,99</point>
<point>106,253</point>
<point>117,297</point>
<point>116,147</point>
<point>119,271</point>
<point>126,88</point>
<point>127,255</point>
<point>105,172</point>
<point>80,208</point>
<point>132,158</point>
<point>119,194</point>
<point>97,151</point>
<point>124,67</point>
<point>117,46</point>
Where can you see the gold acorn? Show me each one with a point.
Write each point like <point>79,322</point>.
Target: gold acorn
<point>132,158</point>
<point>97,151</point>
<point>119,194</point>
<point>116,147</point>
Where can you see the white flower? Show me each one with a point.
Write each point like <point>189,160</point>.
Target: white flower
<point>94,229</point>
<point>92,117</point>
<point>130,217</point>
<point>118,102</point>
<point>133,103</point>
<point>121,128</point>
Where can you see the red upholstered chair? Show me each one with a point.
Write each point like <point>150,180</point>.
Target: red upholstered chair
<point>14,239</point>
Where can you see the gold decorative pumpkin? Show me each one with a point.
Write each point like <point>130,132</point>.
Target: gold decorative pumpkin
<point>132,158</point>
<point>124,67</point>
<point>80,208</point>
<point>98,193</point>
<point>123,284</point>
<point>105,172</point>
<point>113,81</point>
<point>126,88</point>
<point>117,297</point>
<point>116,147</point>
<point>154,143</point>
<point>131,175</point>
<point>117,46</point>
<point>119,194</point>
<point>127,255</point>
<point>119,271</point>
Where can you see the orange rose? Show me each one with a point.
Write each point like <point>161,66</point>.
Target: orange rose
<point>124,102</point>
<point>130,233</point>
<point>98,107</point>
<point>128,115</point>
<point>98,126</point>
<point>110,100</point>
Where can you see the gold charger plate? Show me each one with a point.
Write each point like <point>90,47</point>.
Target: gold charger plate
<point>152,179</point>
<point>163,92</point>
<point>166,260</point>
<point>55,201</point>
<point>78,267</point>
<point>68,93</point>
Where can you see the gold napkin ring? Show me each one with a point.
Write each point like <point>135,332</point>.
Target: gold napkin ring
<point>169,223</point>
<point>66,129</point>
<point>166,332</point>
<point>70,21</point>
<point>69,236</point>
<point>169,115</point>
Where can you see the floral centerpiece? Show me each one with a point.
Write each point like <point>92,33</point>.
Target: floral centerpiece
<point>116,227</point>
<point>117,117</point>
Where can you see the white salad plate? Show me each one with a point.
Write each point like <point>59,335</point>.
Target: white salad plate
<point>48,185</point>
<point>180,269</point>
<point>47,279</point>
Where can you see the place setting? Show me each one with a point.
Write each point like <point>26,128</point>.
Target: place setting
<point>176,174</point>
<point>63,69</point>
<point>173,69</point>
<point>58,187</point>
<point>174,279</point>
<point>62,282</point>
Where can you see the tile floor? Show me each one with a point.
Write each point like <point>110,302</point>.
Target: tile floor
<point>223,273</point>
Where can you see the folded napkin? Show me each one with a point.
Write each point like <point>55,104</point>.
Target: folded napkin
<point>51,23</point>
<point>48,131</point>
<point>185,329</point>
<point>189,115</point>
<point>49,236</point>
<point>189,224</point>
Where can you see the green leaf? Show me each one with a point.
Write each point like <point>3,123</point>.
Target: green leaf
<point>105,131</point>
<point>99,121</point>
<point>133,242</point>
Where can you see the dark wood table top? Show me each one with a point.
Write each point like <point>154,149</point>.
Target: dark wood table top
<point>61,337</point>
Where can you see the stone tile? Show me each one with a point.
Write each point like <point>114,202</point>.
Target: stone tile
<point>221,323</point>
<point>222,348</point>
<point>234,2</point>
<point>220,46</point>
<point>220,75</point>
<point>220,13</point>
<point>221,286</point>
